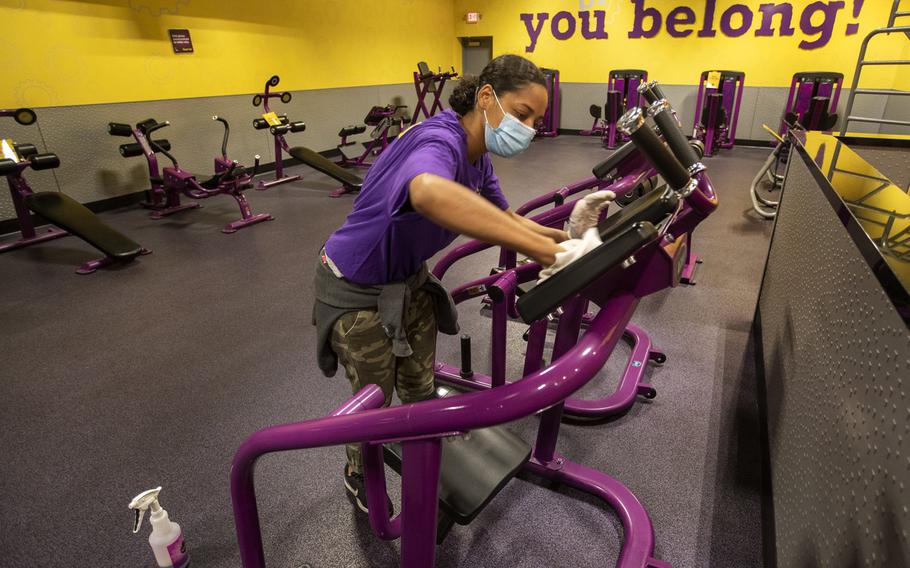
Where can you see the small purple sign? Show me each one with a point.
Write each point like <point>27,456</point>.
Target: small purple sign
<point>181,41</point>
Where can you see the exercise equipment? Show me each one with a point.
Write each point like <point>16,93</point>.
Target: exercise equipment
<point>278,125</point>
<point>628,170</point>
<point>387,122</point>
<point>169,183</point>
<point>622,94</point>
<point>427,82</point>
<point>811,105</point>
<point>717,109</point>
<point>458,478</point>
<point>69,216</point>
<point>548,126</point>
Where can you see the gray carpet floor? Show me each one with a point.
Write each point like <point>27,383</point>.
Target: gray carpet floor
<point>154,373</point>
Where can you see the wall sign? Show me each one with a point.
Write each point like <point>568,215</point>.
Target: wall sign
<point>815,21</point>
<point>180,40</point>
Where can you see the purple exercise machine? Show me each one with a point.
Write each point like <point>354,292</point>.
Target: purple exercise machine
<point>811,105</point>
<point>627,169</point>
<point>717,110</point>
<point>622,94</point>
<point>548,126</point>
<point>437,477</point>
<point>167,185</point>
<point>387,122</point>
<point>425,83</point>
<point>283,126</point>
<point>69,216</point>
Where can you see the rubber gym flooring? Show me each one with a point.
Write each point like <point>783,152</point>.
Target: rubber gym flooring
<point>154,373</point>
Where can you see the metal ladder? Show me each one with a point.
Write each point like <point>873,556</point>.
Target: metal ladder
<point>862,62</point>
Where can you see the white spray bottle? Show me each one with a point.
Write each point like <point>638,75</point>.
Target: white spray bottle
<point>166,539</point>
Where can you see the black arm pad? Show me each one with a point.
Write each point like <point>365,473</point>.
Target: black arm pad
<point>633,124</point>
<point>146,125</point>
<point>297,126</point>
<point>7,166</point>
<point>262,124</point>
<point>663,117</point>
<point>548,295</point>
<point>44,162</point>
<point>135,149</point>
<point>25,151</point>
<point>119,129</point>
<point>606,167</point>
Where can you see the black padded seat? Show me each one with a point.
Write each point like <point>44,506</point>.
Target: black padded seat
<point>474,468</point>
<point>76,219</point>
<point>320,163</point>
<point>721,117</point>
<point>352,130</point>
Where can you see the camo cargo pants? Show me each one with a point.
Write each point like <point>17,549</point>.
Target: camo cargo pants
<point>365,352</point>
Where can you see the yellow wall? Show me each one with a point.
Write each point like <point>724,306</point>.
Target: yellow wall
<point>767,61</point>
<point>73,52</point>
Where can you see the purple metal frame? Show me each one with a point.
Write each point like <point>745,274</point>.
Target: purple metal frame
<point>731,89</point>
<point>668,269</point>
<point>423,87</point>
<point>625,82</point>
<point>803,87</point>
<point>165,191</point>
<point>281,144</point>
<point>387,122</point>
<point>549,124</point>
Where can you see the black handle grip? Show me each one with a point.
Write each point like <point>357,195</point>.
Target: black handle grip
<point>651,91</point>
<point>605,168</point>
<point>7,167</point>
<point>25,151</point>
<point>135,149</point>
<point>119,129</point>
<point>44,162</point>
<point>673,134</point>
<point>633,124</point>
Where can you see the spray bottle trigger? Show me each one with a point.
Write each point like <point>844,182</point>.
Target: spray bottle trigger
<point>139,514</point>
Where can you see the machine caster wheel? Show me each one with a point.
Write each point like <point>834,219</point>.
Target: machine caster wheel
<point>650,393</point>
<point>658,358</point>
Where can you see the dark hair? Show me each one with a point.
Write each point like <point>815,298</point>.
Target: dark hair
<point>506,73</point>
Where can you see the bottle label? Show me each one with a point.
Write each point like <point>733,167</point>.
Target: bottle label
<point>177,551</point>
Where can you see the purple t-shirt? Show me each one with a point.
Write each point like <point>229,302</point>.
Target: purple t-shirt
<point>383,239</point>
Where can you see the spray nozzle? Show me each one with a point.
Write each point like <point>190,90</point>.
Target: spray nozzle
<point>142,502</point>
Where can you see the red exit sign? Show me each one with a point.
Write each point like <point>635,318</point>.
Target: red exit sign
<point>472,17</point>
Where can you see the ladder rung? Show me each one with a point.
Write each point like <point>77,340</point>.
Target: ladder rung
<point>881,92</point>
<point>894,62</point>
<point>878,120</point>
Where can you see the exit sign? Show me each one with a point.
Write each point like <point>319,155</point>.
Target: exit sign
<point>472,17</point>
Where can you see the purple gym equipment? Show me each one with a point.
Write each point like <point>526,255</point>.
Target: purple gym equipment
<point>439,479</point>
<point>622,94</point>
<point>277,131</point>
<point>628,172</point>
<point>548,126</point>
<point>425,83</point>
<point>387,122</point>
<point>717,110</point>
<point>812,101</point>
<point>69,216</point>
<point>230,177</point>
<point>811,105</point>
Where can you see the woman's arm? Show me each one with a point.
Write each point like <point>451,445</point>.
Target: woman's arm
<point>557,235</point>
<point>457,208</point>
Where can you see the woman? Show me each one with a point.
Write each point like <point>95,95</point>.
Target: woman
<point>377,308</point>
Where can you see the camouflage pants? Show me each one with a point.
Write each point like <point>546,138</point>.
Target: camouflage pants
<point>365,352</point>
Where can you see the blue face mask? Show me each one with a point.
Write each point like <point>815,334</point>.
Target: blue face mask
<point>510,138</point>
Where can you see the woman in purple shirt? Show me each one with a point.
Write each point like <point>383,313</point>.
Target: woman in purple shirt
<point>377,308</point>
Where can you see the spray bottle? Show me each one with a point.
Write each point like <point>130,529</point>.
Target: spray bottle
<point>166,539</point>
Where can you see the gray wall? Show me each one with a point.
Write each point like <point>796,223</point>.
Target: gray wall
<point>91,168</point>
<point>837,370</point>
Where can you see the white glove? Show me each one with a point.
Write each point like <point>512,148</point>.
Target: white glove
<point>573,249</point>
<point>587,210</point>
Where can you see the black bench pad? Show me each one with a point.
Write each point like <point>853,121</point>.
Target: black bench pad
<point>320,163</point>
<point>474,469</point>
<point>76,219</point>
<point>352,130</point>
